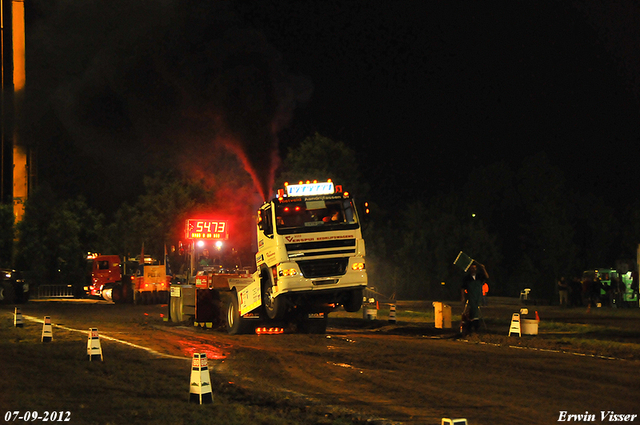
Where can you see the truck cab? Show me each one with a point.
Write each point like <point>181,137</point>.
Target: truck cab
<point>311,255</point>
<point>105,270</point>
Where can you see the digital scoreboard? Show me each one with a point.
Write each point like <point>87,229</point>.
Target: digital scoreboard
<point>206,229</point>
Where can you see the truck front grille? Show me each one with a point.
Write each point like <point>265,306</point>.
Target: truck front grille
<point>324,268</point>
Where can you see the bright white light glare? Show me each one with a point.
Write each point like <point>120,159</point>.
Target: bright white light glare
<point>310,189</point>
<point>219,244</point>
<point>200,244</point>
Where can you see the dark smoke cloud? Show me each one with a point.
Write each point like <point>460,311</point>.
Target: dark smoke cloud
<point>147,83</point>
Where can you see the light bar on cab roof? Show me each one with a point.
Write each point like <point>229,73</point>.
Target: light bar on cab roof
<point>308,189</point>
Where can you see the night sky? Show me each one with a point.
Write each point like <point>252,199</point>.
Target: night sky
<point>423,91</point>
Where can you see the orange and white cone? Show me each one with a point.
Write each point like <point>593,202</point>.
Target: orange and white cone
<point>200,388</point>
<point>17,318</point>
<point>94,350</point>
<point>47,333</point>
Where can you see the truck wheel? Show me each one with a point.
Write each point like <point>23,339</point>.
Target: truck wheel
<point>273,307</point>
<point>127,292</point>
<point>175,309</point>
<point>163,297</point>
<point>235,323</point>
<point>354,301</point>
<point>116,293</point>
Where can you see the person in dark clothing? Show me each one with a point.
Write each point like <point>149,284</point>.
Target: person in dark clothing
<point>576,292</point>
<point>472,292</point>
<point>563,292</point>
<point>593,292</point>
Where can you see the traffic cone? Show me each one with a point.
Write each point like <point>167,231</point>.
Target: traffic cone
<point>200,389</point>
<point>47,333</point>
<point>17,318</point>
<point>94,350</point>
<point>392,313</point>
<point>537,317</point>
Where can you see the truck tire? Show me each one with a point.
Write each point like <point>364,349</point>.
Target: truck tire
<point>136,298</point>
<point>163,297</point>
<point>236,325</point>
<point>353,303</point>
<point>127,292</point>
<point>274,308</point>
<point>116,293</point>
<point>175,309</point>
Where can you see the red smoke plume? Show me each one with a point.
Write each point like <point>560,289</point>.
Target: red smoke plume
<point>263,177</point>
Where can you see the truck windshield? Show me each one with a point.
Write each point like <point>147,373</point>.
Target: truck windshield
<point>299,215</point>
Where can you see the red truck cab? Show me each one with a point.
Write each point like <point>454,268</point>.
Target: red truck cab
<point>105,270</point>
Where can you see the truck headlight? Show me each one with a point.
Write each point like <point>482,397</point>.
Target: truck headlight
<point>287,272</point>
<point>357,266</point>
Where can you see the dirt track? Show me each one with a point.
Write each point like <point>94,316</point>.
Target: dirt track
<point>407,372</point>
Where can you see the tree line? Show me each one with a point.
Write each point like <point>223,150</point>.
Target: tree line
<point>524,224</point>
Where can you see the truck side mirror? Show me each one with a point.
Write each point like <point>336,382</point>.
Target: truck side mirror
<point>264,222</point>
<point>260,221</point>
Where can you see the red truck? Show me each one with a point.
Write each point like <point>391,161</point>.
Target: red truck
<point>128,281</point>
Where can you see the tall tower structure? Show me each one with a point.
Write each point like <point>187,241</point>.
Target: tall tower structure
<point>18,169</point>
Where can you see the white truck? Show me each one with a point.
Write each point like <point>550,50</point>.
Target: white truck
<point>310,261</point>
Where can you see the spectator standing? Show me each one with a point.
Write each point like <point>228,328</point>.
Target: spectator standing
<point>472,292</point>
<point>576,292</point>
<point>563,292</point>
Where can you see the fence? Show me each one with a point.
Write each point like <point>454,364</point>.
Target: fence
<point>55,291</point>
